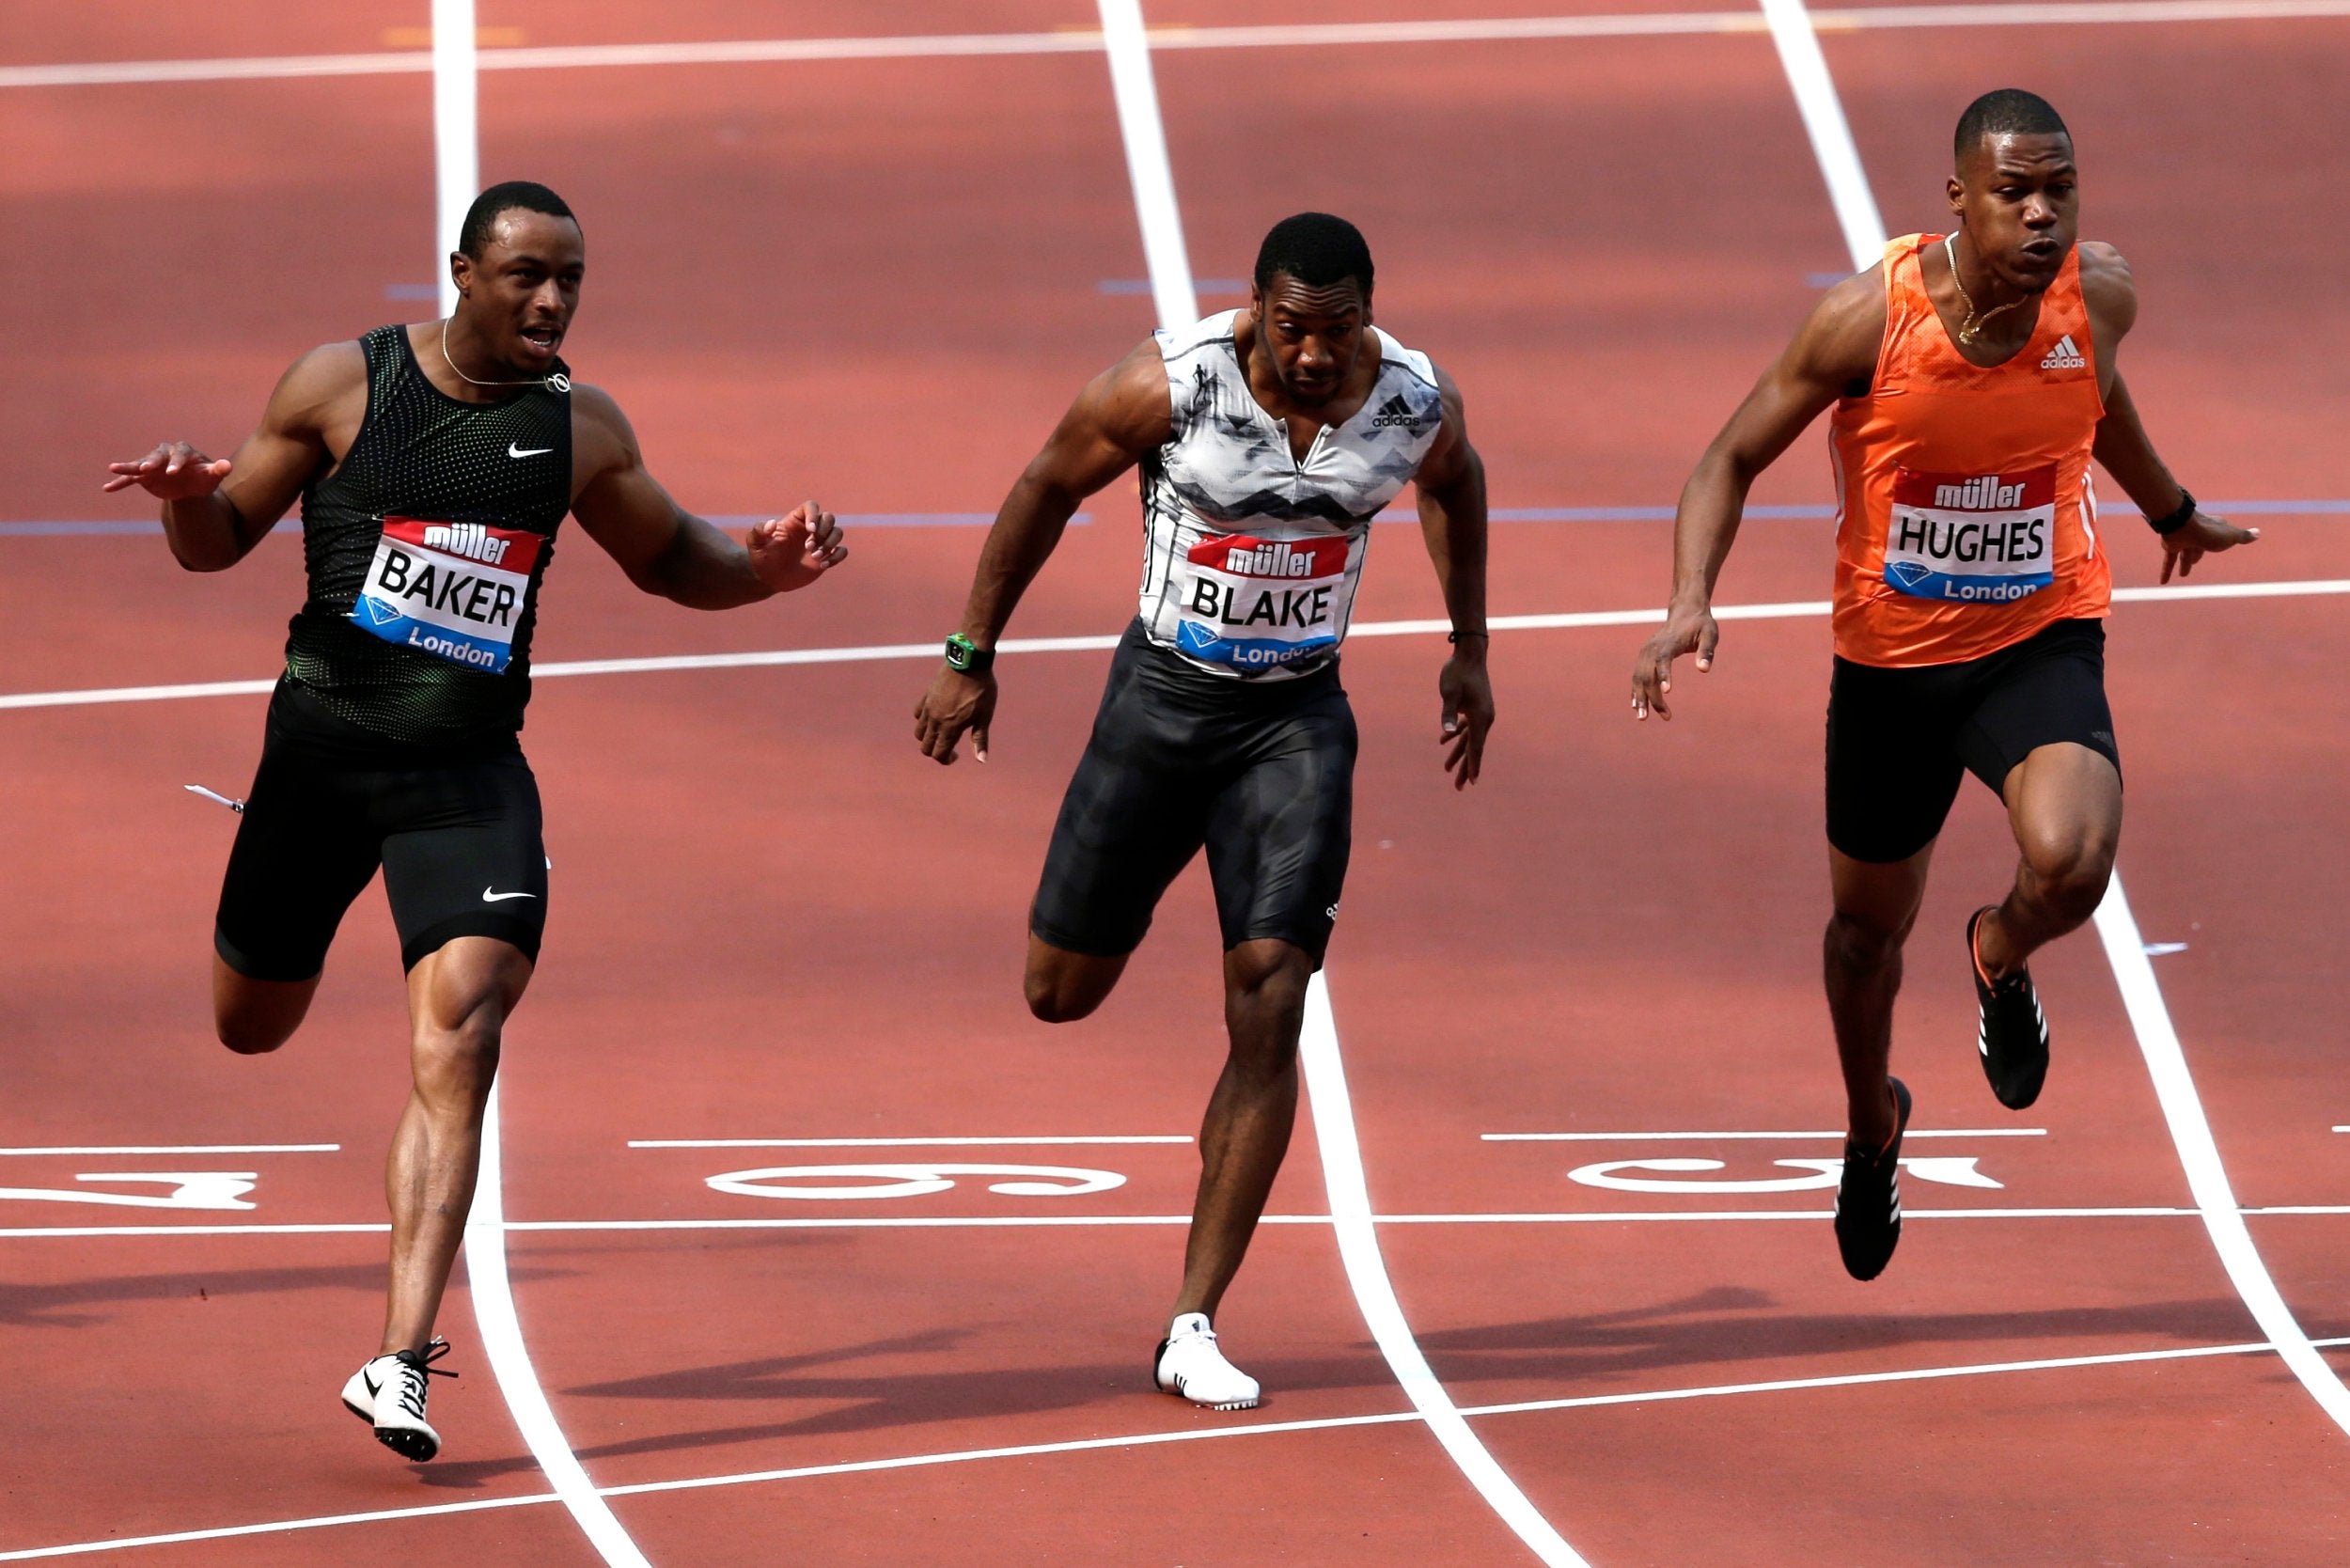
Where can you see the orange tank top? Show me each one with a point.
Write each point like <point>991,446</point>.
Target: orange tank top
<point>1965,520</point>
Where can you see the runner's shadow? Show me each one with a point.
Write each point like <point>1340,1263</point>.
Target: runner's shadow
<point>1728,1327</point>
<point>60,1305</point>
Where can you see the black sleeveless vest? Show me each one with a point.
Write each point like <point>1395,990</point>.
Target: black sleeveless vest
<point>425,550</point>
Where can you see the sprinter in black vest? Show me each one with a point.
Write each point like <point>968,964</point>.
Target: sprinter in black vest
<point>435,463</point>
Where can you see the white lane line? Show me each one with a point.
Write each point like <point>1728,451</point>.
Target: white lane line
<point>179,1149</point>
<point>1187,1435</point>
<point>458,159</point>
<point>2125,949</point>
<point>1374,1293</point>
<point>502,1340</point>
<point>1305,36</point>
<point>891,1142</point>
<point>2206,1178</point>
<point>1569,620</point>
<point>1831,137</point>
<point>1148,169</point>
<point>276,1527</point>
<point>1667,1137</point>
<point>979,1222</point>
<point>456,135</point>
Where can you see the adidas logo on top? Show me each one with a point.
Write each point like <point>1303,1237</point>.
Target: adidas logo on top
<point>2064,356</point>
<point>1395,411</point>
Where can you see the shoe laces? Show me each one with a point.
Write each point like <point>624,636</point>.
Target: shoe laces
<point>418,1365</point>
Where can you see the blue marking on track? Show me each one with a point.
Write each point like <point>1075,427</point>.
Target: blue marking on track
<point>1814,511</point>
<point>413,291</point>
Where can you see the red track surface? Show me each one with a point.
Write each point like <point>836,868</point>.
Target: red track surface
<point>876,282</point>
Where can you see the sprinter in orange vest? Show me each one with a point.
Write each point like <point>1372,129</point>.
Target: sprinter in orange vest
<point>1973,379</point>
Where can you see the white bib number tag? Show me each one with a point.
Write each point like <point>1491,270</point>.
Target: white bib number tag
<point>1971,538</point>
<point>1257,604</point>
<point>455,590</point>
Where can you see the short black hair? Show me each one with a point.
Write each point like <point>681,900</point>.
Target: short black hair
<point>483,214</point>
<point>1316,250</point>
<point>2007,112</point>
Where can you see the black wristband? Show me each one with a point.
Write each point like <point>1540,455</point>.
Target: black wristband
<point>2178,519</point>
<point>965,657</point>
<point>1456,636</point>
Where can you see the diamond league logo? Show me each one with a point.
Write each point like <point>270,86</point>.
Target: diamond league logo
<point>1908,575</point>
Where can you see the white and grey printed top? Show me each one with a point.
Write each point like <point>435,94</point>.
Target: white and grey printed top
<point>1253,553</point>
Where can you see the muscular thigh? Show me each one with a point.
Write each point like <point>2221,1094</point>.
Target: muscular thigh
<point>305,848</point>
<point>465,856</point>
<point>1283,828</point>
<point>1893,766</point>
<point>1134,816</point>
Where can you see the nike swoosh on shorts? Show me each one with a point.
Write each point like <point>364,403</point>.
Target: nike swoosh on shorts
<point>488,897</point>
<point>514,450</point>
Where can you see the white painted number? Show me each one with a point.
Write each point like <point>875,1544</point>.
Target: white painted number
<point>1953,1170</point>
<point>913,1181</point>
<point>190,1189</point>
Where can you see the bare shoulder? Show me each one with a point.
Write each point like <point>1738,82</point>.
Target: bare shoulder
<point>2108,291</point>
<point>1842,336</point>
<point>2105,276</point>
<point>321,377</point>
<point>601,437</point>
<point>1130,402</point>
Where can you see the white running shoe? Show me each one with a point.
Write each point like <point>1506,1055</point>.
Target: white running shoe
<point>388,1393</point>
<point>1188,1364</point>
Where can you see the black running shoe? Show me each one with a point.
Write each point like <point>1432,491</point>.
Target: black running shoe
<point>1868,1198</point>
<point>2012,1032</point>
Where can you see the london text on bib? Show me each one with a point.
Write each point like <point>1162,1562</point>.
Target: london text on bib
<point>1255,603</point>
<point>1985,538</point>
<point>451,589</point>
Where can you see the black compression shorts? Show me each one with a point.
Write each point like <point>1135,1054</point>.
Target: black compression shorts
<point>457,834</point>
<point>1898,740</point>
<point>1262,773</point>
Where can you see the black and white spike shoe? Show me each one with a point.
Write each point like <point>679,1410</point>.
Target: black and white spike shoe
<point>389,1392</point>
<point>1868,1197</point>
<point>2012,1033</point>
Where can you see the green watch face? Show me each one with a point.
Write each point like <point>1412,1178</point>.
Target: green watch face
<point>963,653</point>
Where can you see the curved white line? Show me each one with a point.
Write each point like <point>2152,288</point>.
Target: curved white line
<point>510,1360</point>
<point>1366,1272</point>
<point>457,161</point>
<point>2199,1153</point>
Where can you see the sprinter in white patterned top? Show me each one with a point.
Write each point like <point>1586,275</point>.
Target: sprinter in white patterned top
<point>1268,439</point>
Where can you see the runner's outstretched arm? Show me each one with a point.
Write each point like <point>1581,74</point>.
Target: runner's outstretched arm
<point>2124,452</point>
<point>665,549</point>
<point>1122,412</point>
<point>2122,446</point>
<point>1451,496</point>
<point>217,509</point>
<point>1833,356</point>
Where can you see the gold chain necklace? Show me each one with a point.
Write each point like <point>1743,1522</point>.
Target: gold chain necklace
<point>558,381</point>
<point>1969,331</point>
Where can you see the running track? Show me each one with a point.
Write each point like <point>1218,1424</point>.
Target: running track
<point>874,278</point>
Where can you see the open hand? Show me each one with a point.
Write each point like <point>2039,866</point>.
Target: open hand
<point>792,552</point>
<point>954,704</point>
<point>1468,693</point>
<point>174,471</point>
<point>1686,631</point>
<point>2201,536</point>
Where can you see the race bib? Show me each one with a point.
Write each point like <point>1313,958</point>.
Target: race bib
<point>1979,539</point>
<point>1257,604</point>
<point>451,589</point>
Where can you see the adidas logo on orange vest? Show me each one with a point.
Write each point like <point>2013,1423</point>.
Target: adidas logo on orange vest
<point>2064,356</point>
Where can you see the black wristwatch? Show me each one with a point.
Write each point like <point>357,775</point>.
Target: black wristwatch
<point>965,657</point>
<point>2178,519</point>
